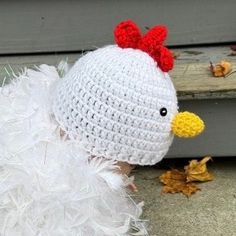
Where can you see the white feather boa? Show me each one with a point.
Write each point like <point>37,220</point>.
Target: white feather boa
<point>49,186</point>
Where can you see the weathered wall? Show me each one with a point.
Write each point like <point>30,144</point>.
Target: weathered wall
<point>71,25</point>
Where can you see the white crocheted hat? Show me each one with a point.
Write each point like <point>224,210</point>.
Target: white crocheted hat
<point>119,103</point>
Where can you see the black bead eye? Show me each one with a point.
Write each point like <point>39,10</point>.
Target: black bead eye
<point>163,111</point>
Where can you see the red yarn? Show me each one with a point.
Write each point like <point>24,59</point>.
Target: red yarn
<point>153,39</point>
<point>127,34</point>
<point>164,58</point>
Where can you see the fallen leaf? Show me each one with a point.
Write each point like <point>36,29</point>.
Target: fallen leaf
<point>197,171</point>
<point>221,69</point>
<point>176,181</point>
<point>173,175</point>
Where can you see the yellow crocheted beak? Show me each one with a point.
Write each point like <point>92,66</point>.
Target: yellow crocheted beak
<point>187,125</point>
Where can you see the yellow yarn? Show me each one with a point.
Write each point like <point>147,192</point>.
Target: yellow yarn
<point>187,125</point>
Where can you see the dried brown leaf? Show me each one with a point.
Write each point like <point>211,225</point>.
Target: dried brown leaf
<point>221,69</point>
<point>175,182</point>
<point>197,171</point>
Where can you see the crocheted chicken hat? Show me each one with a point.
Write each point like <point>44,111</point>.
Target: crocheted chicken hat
<point>119,100</point>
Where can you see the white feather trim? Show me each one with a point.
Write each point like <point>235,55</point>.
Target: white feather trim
<point>50,186</point>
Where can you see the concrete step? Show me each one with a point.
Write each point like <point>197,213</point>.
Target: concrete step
<point>209,212</point>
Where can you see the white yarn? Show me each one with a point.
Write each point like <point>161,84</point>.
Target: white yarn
<point>111,100</point>
<point>49,186</point>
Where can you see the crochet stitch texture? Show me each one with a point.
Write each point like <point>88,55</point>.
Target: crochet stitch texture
<point>112,100</point>
<point>128,35</point>
<point>187,125</point>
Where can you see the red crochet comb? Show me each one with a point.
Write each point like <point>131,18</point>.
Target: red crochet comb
<point>128,35</point>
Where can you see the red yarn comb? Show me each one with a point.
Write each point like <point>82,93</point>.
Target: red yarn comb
<point>128,35</point>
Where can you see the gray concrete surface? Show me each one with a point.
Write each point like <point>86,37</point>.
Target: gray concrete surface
<point>209,212</point>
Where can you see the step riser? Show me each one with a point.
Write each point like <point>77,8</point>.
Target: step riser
<point>219,137</point>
